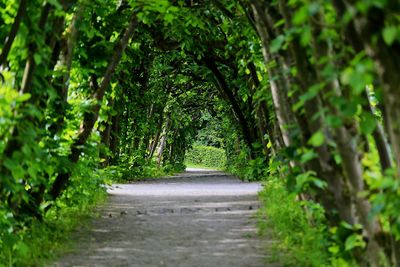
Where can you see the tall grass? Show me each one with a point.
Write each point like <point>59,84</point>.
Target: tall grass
<point>297,227</point>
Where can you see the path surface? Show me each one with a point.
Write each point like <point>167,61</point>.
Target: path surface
<point>198,218</point>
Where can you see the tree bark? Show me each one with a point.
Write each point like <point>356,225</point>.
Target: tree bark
<point>13,143</point>
<point>90,117</point>
<point>227,93</point>
<point>346,137</point>
<point>278,86</point>
<point>115,137</point>
<point>335,198</point>
<point>61,82</point>
<point>154,142</point>
<point>379,137</point>
<point>13,33</point>
<point>163,140</point>
<point>263,124</point>
<point>30,65</point>
<point>368,28</point>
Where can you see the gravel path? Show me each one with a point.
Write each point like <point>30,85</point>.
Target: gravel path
<point>198,218</point>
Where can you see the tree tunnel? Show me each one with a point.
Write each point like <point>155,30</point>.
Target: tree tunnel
<point>305,92</point>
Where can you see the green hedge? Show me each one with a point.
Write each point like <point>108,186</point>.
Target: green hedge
<point>206,156</point>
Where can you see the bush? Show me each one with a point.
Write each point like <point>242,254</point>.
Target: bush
<point>38,242</point>
<point>298,226</point>
<point>206,156</point>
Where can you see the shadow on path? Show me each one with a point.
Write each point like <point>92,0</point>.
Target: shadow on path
<point>198,218</point>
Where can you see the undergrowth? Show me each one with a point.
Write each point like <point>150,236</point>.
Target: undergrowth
<point>199,166</point>
<point>301,238</point>
<point>137,168</point>
<point>206,156</point>
<point>34,242</point>
<point>44,241</point>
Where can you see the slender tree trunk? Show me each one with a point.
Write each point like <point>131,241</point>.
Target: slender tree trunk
<point>54,39</point>
<point>13,33</point>
<point>13,143</point>
<point>154,143</point>
<point>368,28</point>
<point>163,140</point>
<point>106,137</point>
<point>90,117</point>
<point>61,82</point>
<point>30,65</point>
<point>262,122</point>
<point>106,134</point>
<point>346,137</point>
<point>380,139</point>
<point>227,93</point>
<point>335,198</point>
<point>278,86</point>
<point>115,136</point>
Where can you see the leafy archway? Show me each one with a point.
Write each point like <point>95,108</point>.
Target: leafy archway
<point>305,92</point>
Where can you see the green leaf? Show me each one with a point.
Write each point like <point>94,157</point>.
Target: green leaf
<point>37,58</point>
<point>307,156</point>
<point>23,98</point>
<point>277,43</point>
<point>334,249</point>
<point>337,158</point>
<point>333,121</point>
<point>317,139</point>
<point>301,15</point>
<point>306,36</point>
<point>319,183</point>
<point>367,123</point>
<point>168,18</point>
<point>349,108</point>
<point>10,164</point>
<point>353,241</point>
<point>55,3</point>
<point>390,33</point>
<point>22,249</point>
<point>16,170</point>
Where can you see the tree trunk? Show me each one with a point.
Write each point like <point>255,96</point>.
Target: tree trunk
<point>13,143</point>
<point>379,137</point>
<point>368,28</point>
<point>13,32</point>
<point>278,86</point>
<point>163,140</point>
<point>30,65</point>
<point>346,137</point>
<point>61,82</point>
<point>105,140</point>
<point>90,117</point>
<point>335,198</point>
<point>227,93</point>
<point>115,136</point>
<point>263,124</point>
<point>154,142</point>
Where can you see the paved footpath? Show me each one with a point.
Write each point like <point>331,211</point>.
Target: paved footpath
<point>198,218</point>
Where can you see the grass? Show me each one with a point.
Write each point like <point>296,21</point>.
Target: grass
<point>300,236</point>
<point>198,166</point>
<point>43,242</point>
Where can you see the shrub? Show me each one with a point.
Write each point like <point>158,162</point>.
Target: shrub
<point>38,242</point>
<point>298,226</point>
<point>206,156</point>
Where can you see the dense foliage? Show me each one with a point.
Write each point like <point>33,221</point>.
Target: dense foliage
<point>206,156</point>
<point>298,227</point>
<point>302,91</point>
